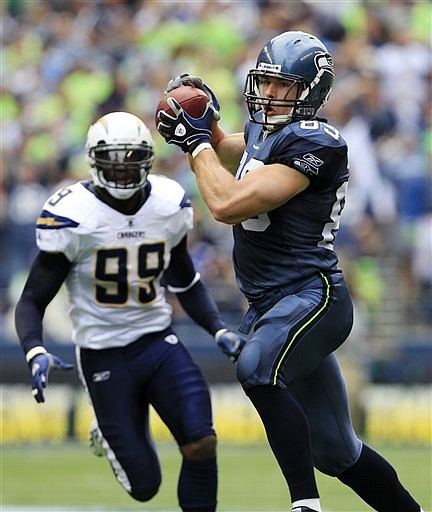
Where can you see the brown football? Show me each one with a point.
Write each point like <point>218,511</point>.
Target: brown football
<point>191,99</point>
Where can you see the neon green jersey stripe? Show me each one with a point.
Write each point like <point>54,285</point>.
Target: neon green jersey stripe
<point>326,301</point>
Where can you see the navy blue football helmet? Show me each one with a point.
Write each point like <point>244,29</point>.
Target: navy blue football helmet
<point>297,57</point>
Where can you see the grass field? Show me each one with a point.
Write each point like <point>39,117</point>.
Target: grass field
<point>68,477</point>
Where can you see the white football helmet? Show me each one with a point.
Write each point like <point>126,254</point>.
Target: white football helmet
<point>119,150</point>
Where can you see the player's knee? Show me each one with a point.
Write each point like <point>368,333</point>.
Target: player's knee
<point>327,465</point>
<point>146,487</point>
<point>144,495</point>
<point>336,450</point>
<point>202,449</point>
<point>334,461</point>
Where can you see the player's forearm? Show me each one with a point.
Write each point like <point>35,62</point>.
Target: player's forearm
<point>28,322</point>
<point>215,184</point>
<point>201,308</point>
<point>229,149</point>
<point>46,276</point>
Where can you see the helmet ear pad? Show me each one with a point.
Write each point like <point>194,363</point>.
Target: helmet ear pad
<point>120,152</point>
<point>292,56</point>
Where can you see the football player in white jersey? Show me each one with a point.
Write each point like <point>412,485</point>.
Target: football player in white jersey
<point>117,241</point>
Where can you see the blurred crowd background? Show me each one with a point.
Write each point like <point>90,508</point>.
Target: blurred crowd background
<point>65,63</point>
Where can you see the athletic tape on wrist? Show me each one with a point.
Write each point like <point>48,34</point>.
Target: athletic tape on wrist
<point>34,352</point>
<point>219,333</point>
<point>201,147</point>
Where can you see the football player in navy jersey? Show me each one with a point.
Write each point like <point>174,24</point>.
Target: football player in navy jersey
<point>282,185</point>
<point>117,241</point>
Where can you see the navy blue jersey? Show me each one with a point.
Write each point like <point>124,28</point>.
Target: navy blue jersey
<point>295,240</point>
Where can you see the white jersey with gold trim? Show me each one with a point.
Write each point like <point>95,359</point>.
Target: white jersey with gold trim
<point>117,260</point>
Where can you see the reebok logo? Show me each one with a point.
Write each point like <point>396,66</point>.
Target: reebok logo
<point>101,376</point>
<point>309,163</point>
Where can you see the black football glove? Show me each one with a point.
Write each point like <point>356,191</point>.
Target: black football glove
<point>230,343</point>
<point>197,82</point>
<point>183,130</point>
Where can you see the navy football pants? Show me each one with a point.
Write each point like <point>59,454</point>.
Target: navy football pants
<point>292,348</point>
<point>122,382</point>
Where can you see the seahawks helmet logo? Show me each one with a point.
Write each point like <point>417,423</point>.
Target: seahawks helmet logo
<point>324,61</point>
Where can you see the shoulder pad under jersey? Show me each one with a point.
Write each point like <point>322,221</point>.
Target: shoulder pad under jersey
<point>69,207</point>
<point>169,195</point>
<point>318,133</point>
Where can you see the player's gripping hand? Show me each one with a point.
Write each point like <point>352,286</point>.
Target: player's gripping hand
<point>230,343</point>
<point>195,81</point>
<point>41,365</point>
<point>185,131</point>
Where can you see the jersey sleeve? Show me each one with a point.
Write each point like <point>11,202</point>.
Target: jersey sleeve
<point>185,220</point>
<point>173,204</point>
<point>319,154</point>
<point>55,234</point>
<point>61,222</point>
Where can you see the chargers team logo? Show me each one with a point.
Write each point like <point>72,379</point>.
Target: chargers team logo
<point>49,220</point>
